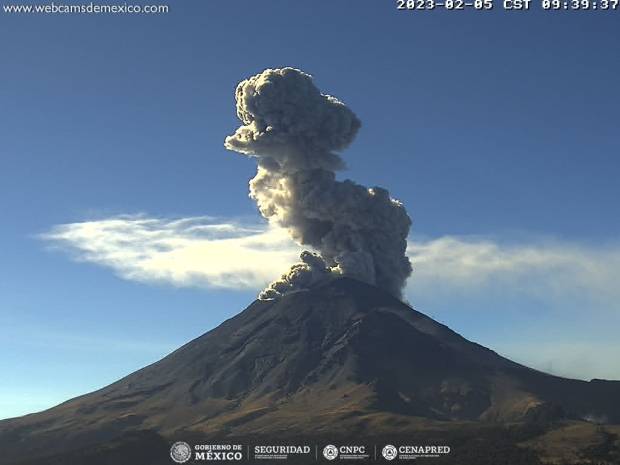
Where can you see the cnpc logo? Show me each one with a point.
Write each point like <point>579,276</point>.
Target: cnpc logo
<point>331,452</point>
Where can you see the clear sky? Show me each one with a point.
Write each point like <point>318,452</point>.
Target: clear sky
<point>498,131</point>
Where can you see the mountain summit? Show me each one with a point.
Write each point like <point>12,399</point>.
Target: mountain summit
<point>343,355</point>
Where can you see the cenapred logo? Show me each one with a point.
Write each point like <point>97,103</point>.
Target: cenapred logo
<point>180,452</point>
<point>330,452</point>
<point>389,452</point>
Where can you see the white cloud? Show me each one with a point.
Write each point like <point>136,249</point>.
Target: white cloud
<point>196,251</point>
<point>202,251</point>
<point>544,268</point>
<point>560,299</point>
<point>449,272</point>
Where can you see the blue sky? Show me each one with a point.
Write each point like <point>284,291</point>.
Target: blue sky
<point>499,132</point>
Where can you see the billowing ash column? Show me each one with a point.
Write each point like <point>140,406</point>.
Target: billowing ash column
<point>294,132</point>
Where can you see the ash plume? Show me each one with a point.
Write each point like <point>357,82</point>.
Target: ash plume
<point>294,132</point>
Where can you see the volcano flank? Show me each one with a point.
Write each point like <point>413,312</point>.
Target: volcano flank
<point>341,359</point>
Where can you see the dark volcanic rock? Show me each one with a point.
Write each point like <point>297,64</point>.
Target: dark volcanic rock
<point>343,355</point>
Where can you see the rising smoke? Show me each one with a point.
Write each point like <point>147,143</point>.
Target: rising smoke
<point>294,132</point>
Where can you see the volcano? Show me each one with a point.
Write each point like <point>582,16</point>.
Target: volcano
<point>343,358</point>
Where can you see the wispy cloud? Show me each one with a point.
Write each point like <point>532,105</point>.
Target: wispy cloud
<point>448,272</point>
<point>198,251</point>
<point>205,251</point>
<point>539,267</point>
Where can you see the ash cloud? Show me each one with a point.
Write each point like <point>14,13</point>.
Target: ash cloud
<point>295,133</point>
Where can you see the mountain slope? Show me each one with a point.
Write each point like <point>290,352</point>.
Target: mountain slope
<point>343,353</point>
